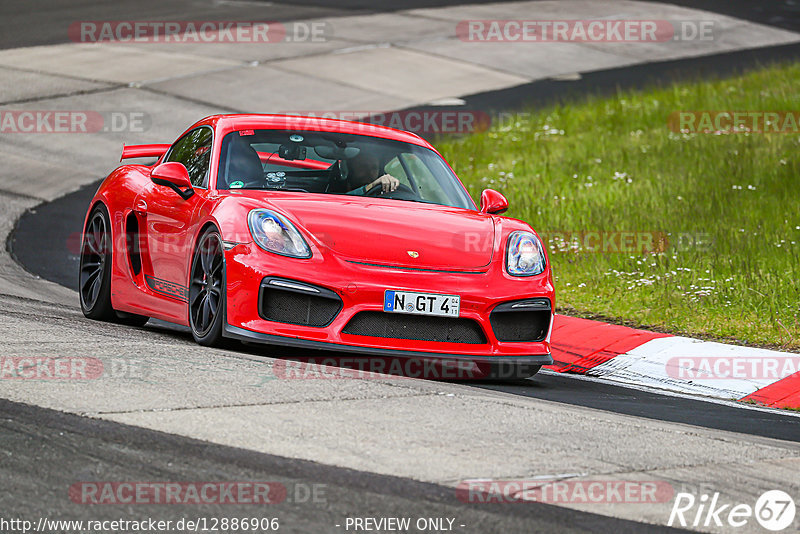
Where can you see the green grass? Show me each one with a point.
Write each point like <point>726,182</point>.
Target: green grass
<point>612,164</point>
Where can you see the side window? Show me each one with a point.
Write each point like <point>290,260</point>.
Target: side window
<point>194,151</point>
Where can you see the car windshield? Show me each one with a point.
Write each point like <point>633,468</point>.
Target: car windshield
<point>336,163</point>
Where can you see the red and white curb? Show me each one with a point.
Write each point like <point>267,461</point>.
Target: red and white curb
<point>639,357</point>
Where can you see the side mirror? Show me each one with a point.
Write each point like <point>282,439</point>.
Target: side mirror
<point>175,176</point>
<point>493,202</point>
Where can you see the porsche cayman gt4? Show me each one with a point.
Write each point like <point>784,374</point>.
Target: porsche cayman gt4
<point>315,233</point>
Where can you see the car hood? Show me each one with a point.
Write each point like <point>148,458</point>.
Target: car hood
<point>395,233</point>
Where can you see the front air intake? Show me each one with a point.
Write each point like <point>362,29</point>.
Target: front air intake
<point>521,320</point>
<point>416,327</point>
<point>288,301</point>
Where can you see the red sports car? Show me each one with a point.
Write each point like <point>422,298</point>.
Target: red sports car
<point>316,233</point>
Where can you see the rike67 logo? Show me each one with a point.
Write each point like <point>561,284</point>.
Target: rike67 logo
<point>774,510</point>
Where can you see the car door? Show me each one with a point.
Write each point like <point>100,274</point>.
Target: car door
<point>169,218</point>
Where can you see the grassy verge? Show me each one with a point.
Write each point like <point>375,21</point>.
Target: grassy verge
<point>723,211</point>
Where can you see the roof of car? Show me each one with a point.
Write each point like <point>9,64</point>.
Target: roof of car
<point>234,122</point>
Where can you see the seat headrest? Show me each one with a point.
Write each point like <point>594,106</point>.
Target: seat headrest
<point>242,163</point>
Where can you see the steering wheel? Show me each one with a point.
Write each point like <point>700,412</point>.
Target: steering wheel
<point>403,192</point>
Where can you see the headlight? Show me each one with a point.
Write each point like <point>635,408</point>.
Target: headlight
<point>524,254</point>
<point>274,233</point>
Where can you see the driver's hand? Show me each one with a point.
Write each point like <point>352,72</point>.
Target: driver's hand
<point>387,182</point>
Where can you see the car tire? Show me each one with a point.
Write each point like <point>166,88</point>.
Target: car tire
<point>207,290</point>
<point>94,275</point>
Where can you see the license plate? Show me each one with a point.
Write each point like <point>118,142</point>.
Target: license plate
<point>421,303</point>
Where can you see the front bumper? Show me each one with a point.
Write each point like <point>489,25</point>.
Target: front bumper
<point>361,289</point>
<point>241,334</point>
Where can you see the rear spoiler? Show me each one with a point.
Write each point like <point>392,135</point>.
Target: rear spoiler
<point>143,151</point>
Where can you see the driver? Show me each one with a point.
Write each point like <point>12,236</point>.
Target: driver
<point>362,176</point>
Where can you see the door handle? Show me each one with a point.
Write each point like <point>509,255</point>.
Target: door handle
<point>141,205</point>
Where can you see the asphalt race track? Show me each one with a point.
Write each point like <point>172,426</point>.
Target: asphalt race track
<point>34,241</point>
<point>40,437</point>
<point>376,448</point>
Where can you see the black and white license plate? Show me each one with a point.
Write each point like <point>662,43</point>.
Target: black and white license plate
<point>421,303</point>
